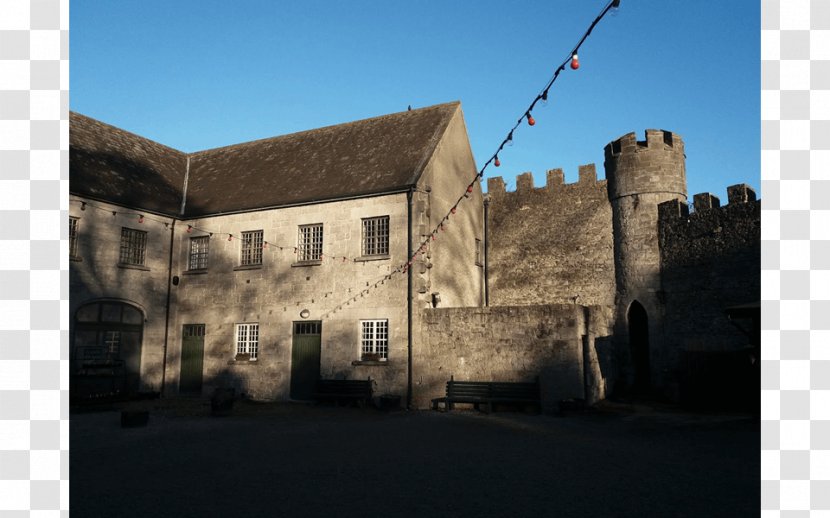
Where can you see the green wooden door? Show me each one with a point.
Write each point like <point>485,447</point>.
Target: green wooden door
<point>193,352</point>
<point>305,359</point>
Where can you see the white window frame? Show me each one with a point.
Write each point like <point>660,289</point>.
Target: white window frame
<point>133,248</point>
<point>374,338</point>
<point>199,253</point>
<point>246,339</point>
<point>74,223</point>
<point>250,250</point>
<point>375,236</point>
<point>310,243</point>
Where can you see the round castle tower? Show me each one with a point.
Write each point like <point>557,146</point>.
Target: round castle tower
<point>640,176</point>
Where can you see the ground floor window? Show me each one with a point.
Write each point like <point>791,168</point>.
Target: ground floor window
<point>247,339</point>
<point>374,338</point>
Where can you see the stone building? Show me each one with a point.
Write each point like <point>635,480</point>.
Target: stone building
<point>268,264</point>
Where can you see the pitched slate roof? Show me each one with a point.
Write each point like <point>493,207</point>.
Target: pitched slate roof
<point>108,163</point>
<point>371,156</point>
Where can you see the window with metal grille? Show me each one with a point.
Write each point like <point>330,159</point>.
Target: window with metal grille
<point>73,237</point>
<point>251,248</point>
<point>310,243</point>
<point>374,338</point>
<point>199,247</point>
<point>307,328</point>
<point>133,245</point>
<point>376,236</point>
<point>247,339</point>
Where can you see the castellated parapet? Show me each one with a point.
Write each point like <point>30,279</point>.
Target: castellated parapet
<point>551,243</point>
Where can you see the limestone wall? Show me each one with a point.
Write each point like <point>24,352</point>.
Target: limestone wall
<point>710,260</point>
<point>275,294</point>
<point>552,244</point>
<point>95,273</point>
<point>557,343</point>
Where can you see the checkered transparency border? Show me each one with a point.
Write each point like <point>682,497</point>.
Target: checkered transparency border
<point>34,281</point>
<point>795,264</point>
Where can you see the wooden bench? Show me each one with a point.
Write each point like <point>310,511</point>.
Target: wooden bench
<point>489,393</point>
<point>359,391</point>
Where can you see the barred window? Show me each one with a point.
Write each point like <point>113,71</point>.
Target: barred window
<point>310,243</point>
<point>376,236</point>
<point>247,339</point>
<point>374,338</point>
<point>73,237</point>
<point>251,248</point>
<point>133,245</point>
<point>199,247</point>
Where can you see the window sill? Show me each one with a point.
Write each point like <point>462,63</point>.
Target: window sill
<point>365,258</point>
<point>200,271</point>
<point>307,263</point>
<point>133,267</point>
<point>247,267</point>
<point>243,362</point>
<point>377,363</point>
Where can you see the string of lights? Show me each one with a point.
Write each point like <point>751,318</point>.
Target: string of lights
<point>573,60</point>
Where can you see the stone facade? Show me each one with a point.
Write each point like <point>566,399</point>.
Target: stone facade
<point>594,286</point>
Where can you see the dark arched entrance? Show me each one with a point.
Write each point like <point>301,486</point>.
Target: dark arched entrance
<point>106,352</point>
<point>639,348</point>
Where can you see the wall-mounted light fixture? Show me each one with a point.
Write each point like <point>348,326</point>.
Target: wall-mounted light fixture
<point>305,313</point>
<point>436,298</point>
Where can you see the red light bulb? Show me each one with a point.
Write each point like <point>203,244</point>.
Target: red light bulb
<point>230,237</point>
<point>470,189</point>
<point>575,62</point>
<point>453,210</point>
<point>497,162</point>
<point>141,218</point>
<point>189,229</point>
<point>530,120</point>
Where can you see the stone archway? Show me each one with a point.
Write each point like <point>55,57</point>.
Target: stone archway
<point>639,347</point>
<point>106,351</point>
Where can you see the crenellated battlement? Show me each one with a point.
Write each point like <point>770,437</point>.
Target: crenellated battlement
<point>736,195</point>
<point>555,182</point>
<point>655,139</point>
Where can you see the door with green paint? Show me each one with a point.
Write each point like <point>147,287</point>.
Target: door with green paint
<point>305,359</point>
<point>193,353</point>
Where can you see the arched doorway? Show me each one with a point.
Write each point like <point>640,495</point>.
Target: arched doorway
<point>106,352</point>
<point>639,348</point>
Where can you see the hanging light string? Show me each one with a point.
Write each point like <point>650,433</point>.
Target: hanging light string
<point>432,236</point>
<point>573,59</point>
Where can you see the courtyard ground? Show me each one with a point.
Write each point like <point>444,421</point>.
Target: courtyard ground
<point>298,460</point>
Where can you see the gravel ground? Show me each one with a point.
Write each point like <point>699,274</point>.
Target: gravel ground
<point>300,460</point>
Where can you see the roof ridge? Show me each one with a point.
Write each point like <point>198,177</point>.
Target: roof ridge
<point>312,130</point>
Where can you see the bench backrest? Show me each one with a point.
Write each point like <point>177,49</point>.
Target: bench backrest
<point>468,389</point>
<point>515,390</point>
<point>493,389</point>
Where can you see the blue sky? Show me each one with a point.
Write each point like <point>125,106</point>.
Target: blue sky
<point>200,74</point>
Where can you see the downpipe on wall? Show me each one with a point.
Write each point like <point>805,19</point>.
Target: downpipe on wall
<point>167,308</point>
<point>409,202</point>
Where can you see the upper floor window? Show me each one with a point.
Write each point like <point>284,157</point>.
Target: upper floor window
<point>251,253</point>
<point>199,247</point>
<point>73,237</point>
<point>375,236</point>
<point>310,243</point>
<point>133,246</point>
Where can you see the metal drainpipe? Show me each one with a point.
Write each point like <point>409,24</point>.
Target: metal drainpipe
<point>409,202</point>
<point>486,252</point>
<point>167,309</point>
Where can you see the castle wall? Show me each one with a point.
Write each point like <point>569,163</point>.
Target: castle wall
<point>566,346</point>
<point>710,260</point>
<point>552,244</point>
